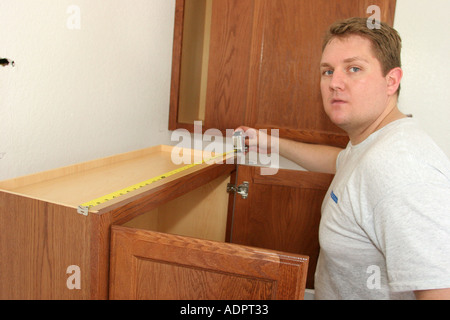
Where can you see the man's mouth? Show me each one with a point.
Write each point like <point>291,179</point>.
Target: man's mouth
<point>338,101</point>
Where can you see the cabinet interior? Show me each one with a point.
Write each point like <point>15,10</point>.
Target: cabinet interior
<point>201,213</point>
<point>194,60</point>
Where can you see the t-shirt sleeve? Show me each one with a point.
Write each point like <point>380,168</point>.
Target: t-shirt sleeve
<point>412,226</point>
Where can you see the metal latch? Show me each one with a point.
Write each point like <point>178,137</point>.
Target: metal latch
<point>83,210</point>
<point>242,189</point>
<point>239,142</point>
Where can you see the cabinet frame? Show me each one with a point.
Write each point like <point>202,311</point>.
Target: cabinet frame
<point>244,84</point>
<point>40,239</point>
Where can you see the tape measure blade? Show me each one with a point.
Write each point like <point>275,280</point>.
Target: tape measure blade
<point>140,185</point>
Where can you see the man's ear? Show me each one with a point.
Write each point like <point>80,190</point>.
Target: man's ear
<point>393,79</point>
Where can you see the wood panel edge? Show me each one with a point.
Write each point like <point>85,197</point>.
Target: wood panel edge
<point>151,199</point>
<point>176,64</point>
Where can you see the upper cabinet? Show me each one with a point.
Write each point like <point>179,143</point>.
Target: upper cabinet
<point>256,63</point>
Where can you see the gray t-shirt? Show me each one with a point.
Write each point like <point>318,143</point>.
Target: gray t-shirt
<point>385,226</point>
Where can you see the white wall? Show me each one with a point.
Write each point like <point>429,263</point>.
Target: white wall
<point>424,27</point>
<point>77,95</point>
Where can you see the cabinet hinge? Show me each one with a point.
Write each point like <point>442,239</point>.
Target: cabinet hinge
<point>242,189</point>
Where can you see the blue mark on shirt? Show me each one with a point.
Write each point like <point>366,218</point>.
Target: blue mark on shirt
<point>334,197</point>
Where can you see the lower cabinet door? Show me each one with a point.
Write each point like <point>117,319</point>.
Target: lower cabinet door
<point>282,212</point>
<point>152,265</point>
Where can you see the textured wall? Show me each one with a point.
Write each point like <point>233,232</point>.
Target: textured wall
<point>79,94</point>
<point>424,27</point>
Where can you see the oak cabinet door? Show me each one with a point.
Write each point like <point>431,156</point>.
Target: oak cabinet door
<point>284,77</point>
<point>152,265</point>
<point>256,63</point>
<point>282,212</point>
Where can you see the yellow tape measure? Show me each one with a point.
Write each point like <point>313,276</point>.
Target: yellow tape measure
<point>84,208</point>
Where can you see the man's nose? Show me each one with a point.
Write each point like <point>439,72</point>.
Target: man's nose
<point>337,81</point>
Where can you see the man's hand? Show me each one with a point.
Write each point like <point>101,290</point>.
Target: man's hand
<point>312,157</point>
<point>257,140</point>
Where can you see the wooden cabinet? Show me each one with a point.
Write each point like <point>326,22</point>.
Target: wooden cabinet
<point>171,239</point>
<point>282,212</point>
<point>258,67</point>
<point>153,265</point>
<point>256,63</point>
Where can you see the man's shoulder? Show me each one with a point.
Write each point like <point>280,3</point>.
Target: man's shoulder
<point>406,139</point>
<point>404,153</point>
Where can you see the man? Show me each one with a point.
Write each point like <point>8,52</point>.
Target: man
<point>385,225</point>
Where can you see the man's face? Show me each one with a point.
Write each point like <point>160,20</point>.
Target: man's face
<point>354,90</point>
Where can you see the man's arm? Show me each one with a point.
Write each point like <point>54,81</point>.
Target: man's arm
<point>312,157</point>
<point>436,294</point>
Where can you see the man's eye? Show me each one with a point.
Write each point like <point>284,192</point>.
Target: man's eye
<point>354,69</point>
<point>327,72</point>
